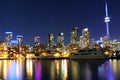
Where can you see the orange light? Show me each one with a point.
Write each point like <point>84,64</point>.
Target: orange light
<point>107,52</point>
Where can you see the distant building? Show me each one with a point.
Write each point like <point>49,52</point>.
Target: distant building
<point>106,40</point>
<point>8,37</point>
<point>81,43</point>
<point>85,38</point>
<point>3,47</point>
<point>115,45</point>
<point>74,35</point>
<point>60,39</point>
<point>14,42</point>
<point>37,40</point>
<point>20,39</point>
<point>50,41</point>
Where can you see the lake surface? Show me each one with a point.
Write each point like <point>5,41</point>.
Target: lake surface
<point>59,69</point>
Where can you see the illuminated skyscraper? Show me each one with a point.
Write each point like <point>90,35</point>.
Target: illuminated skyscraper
<point>51,41</point>
<point>81,43</point>
<point>107,19</point>
<point>60,39</point>
<point>85,38</point>
<point>37,40</point>
<point>74,35</point>
<point>8,37</point>
<point>20,39</point>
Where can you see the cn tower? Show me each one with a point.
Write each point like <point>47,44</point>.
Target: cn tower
<point>107,19</point>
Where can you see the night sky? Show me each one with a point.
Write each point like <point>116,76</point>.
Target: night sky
<point>40,17</point>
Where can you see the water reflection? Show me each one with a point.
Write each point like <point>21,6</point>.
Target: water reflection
<point>29,69</point>
<point>110,70</point>
<point>106,71</point>
<point>74,70</point>
<point>59,70</point>
<point>38,70</point>
<point>88,72</point>
<point>114,62</point>
<point>64,70</point>
<point>11,69</point>
<point>4,69</point>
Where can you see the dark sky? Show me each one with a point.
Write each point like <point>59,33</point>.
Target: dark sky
<point>40,17</point>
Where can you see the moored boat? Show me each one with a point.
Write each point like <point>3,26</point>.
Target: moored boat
<point>90,54</point>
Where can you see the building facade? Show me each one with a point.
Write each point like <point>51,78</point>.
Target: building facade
<point>8,37</point>
<point>74,35</point>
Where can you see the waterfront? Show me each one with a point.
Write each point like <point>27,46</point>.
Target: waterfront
<point>22,69</point>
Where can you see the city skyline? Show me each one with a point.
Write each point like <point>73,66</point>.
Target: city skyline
<point>31,18</point>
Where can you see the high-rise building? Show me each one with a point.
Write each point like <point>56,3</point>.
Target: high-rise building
<point>85,38</point>
<point>50,41</point>
<point>81,43</point>
<point>74,35</point>
<point>37,40</point>
<point>60,39</point>
<point>20,39</point>
<point>8,37</point>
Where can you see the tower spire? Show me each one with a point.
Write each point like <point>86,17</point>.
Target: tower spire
<point>107,19</point>
<point>106,8</point>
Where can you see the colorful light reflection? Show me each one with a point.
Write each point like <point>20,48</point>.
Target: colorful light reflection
<point>38,74</point>
<point>106,71</point>
<point>64,70</point>
<point>11,69</point>
<point>29,69</point>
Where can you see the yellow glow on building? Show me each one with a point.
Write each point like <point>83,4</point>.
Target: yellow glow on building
<point>19,56</point>
<point>5,55</point>
<point>28,55</point>
<point>44,54</point>
<point>57,54</point>
<point>66,54</point>
<point>106,52</point>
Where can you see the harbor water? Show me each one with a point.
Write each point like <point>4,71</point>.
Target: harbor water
<point>63,69</point>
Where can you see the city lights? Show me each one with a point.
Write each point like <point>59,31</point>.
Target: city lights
<point>58,49</point>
